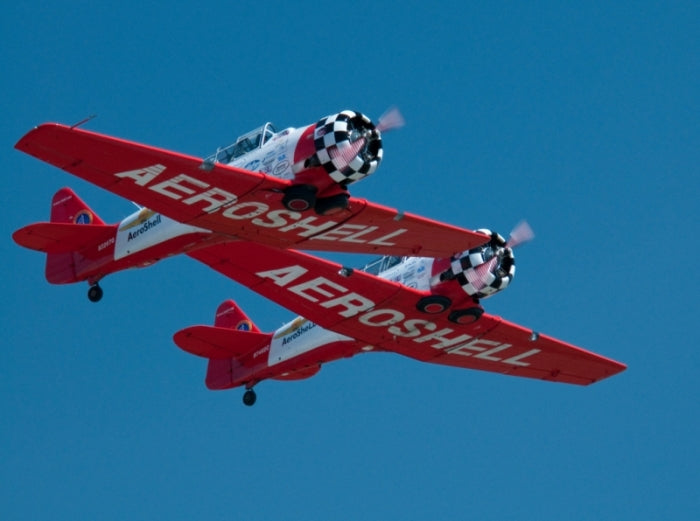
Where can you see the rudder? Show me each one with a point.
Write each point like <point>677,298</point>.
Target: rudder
<point>229,315</point>
<point>67,207</point>
<point>220,372</point>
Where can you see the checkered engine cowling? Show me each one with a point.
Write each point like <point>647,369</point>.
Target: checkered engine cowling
<point>485,270</point>
<point>348,146</point>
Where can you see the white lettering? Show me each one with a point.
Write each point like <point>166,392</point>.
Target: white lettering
<point>346,304</point>
<point>316,285</point>
<point>382,240</point>
<point>306,225</point>
<point>142,176</point>
<point>258,209</point>
<point>193,191</point>
<point>346,232</point>
<point>352,302</point>
<point>216,197</point>
<point>441,335</point>
<point>411,328</point>
<point>174,183</point>
<point>283,276</point>
<point>516,360</point>
<point>393,317</point>
<point>276,218</point>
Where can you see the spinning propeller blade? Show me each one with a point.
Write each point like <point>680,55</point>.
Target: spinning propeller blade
<point>390,120</point>
<point>521,234</point>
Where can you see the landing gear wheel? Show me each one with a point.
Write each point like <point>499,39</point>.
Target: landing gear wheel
<point>299,198</point>
<point>465,316</point>
<point>95,293</point>
<point>433,304</point>
<point>332,205</point>
<point>249,397</point>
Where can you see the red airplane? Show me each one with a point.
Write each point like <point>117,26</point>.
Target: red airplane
<point>426,309</point>
<point>296,197</point>
<point>243,224</point>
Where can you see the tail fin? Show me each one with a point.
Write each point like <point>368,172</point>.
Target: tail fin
<point>231,316</point>
<point>226,344</point>
<point>67,207</point>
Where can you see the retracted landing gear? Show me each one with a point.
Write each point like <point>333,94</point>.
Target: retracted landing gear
<point>299,198</point>
<point>249,397</point>
<point>95,293</point>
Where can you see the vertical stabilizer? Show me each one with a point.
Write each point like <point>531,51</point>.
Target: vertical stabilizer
<point>67,207</point>
<point>230,316</point>
<point>220,372</point>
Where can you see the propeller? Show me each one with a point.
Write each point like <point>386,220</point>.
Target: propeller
<point>390,120</point>
<point>521,234</point>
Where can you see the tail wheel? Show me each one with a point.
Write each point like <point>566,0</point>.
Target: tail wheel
<point>332,205</point>
<point>433,304</point>
<point>95,293</point>
<point>465,316</point>
<point>249,397</point>
<point>299,198</point>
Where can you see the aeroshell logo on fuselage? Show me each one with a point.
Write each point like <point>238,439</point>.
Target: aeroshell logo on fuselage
<point>142,224</point>
<point>295,330</point>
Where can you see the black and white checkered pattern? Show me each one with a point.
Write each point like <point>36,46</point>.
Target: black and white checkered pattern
<point>336,131</point>
<point>479,271</point>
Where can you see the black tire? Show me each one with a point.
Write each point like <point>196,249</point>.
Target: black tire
<point>433,304</point>
<point>465,316</point>
<point>332,205</point>
<point>299,198</point>
<point>95,293</point>
<point>249,397</point>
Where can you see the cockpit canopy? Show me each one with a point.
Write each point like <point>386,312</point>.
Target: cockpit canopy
<point>382,264</point>
<point>244,144</point>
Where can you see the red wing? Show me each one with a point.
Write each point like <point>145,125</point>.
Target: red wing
<point>383,314</point>
<point>236,202</point>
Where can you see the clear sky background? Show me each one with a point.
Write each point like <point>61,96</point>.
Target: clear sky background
<point>582,117</point>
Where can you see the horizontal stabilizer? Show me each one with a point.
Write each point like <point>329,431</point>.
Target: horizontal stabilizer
<point>220,342</point>
<point>62,237</point>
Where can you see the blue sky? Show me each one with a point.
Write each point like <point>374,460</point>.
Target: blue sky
<point>580,116</point>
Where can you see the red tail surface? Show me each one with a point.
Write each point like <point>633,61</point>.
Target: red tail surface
<point>67,207</point>
<point>231,316</point>
<point>220,372</point>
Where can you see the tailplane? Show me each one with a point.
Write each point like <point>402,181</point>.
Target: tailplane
<point>227,344</point>
<point>73,227</point>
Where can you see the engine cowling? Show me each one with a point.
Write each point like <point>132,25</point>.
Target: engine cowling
<point>348,147</point>
<point>485,270</point>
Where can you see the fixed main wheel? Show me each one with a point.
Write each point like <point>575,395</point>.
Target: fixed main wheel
<point>465,316</point>
<point>433,304</point>
<point>299,198</point>
<point>249,397</point>
<point>95,293</point>
<point>332,205</point>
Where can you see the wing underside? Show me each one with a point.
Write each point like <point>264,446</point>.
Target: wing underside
<point>236,202</point>
<point>383,314</point>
